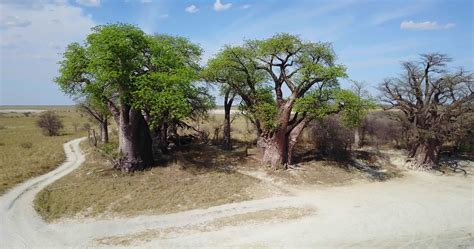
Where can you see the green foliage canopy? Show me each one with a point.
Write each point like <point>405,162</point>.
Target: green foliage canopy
<point>121,65</point>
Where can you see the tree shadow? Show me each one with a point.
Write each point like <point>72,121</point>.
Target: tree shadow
<point>203,158</point>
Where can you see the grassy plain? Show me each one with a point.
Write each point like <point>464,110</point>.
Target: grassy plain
<point>193,179</point>
<point>24,151</point>
<point>193,176</point>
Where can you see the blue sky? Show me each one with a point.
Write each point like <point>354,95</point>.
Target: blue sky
<point>370,37</point>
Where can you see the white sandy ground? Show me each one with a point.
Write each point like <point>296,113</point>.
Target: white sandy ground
<point>21,110</point>
<point>420,210</point>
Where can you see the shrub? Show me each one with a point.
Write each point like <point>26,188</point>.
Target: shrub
<point>331,137</point>
<point>2,127</point>
<point>26,145</point>
<point>385,129</point>
<point>50,123</point>
<point>86,126</point>
<point>75,126</point>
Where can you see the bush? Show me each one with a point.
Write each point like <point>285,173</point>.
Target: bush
<point>26,145</point>
<point>50,123</point>
<point>75,126</point>
<point>385,128</point>
<point>86,127</point>
<point>331,137</point>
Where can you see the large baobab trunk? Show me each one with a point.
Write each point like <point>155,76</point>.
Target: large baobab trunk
<point>104,132</point>
<point>135,144</point>
<point>425,154</point>
<point>227,108</point>
<point>278,147</point>
<point>274,149</point>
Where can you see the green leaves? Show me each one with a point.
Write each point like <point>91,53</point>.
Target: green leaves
<point>119,63</point>
<point>320,103</point>
<point>355,108</point>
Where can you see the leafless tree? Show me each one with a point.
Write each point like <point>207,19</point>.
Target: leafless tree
<point>50,123</point>
<point>432,99</point>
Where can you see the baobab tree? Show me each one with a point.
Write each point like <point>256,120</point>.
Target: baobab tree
<point>266,67</point>
<point>133,73</point>
<point>107,67</point>
<point>310,73</point>
<point>432,99</point>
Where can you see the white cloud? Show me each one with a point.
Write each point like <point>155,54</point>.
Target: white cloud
<point>428,25</point>
<point>36,49</point>
<point>245,6</point>
<point>218,6</point>
<point>164,16</point>
<point>32,4</point>
<point>191,9</point>
<point>7,22</point>
<point>146,1</point>
<point>89,3</point>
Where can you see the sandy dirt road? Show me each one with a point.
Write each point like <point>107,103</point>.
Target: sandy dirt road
<point>419,210</point>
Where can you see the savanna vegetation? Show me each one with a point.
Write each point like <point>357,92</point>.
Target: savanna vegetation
<point>26,152</point>
<point>161,149</point>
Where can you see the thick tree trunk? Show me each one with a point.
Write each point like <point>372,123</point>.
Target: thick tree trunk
<point>294,135</point>
<point>274,149</point>
<point>425,154</point>
<point>277,148</point>
<point>104,132</point>
<point>227,145</point>
<point>359,137</point>
<point>135,144</point>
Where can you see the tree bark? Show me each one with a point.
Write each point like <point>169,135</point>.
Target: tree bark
<point>359,137</point>
<point>135,144</point>
<point>425,154</point>
<point>294,135</point>
<point>104,132</point>
<point>227,145</point>
<point>277,148</point>
<point>274,149</point>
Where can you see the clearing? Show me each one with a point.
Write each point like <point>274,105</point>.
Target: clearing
<point>419,209</point>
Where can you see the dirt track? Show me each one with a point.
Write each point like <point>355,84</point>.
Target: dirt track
<point>418,210</point>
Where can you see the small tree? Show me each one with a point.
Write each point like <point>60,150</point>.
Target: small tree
<point>362,104</point>
<point>99,113</point>
<point>50,123</point>
<point>332,137</point>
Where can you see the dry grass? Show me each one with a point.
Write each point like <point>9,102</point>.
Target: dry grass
<point>196,179</point>
<point>196,176</point>
<point>328,173</point>
<point>260,217</point>
<point>25,152</point>
<point>241,128</point>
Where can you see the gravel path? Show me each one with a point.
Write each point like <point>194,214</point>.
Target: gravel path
<point>418,210</point>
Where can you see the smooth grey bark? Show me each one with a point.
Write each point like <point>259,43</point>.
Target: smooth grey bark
<point>135,143</point>
<point>104,132</point>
